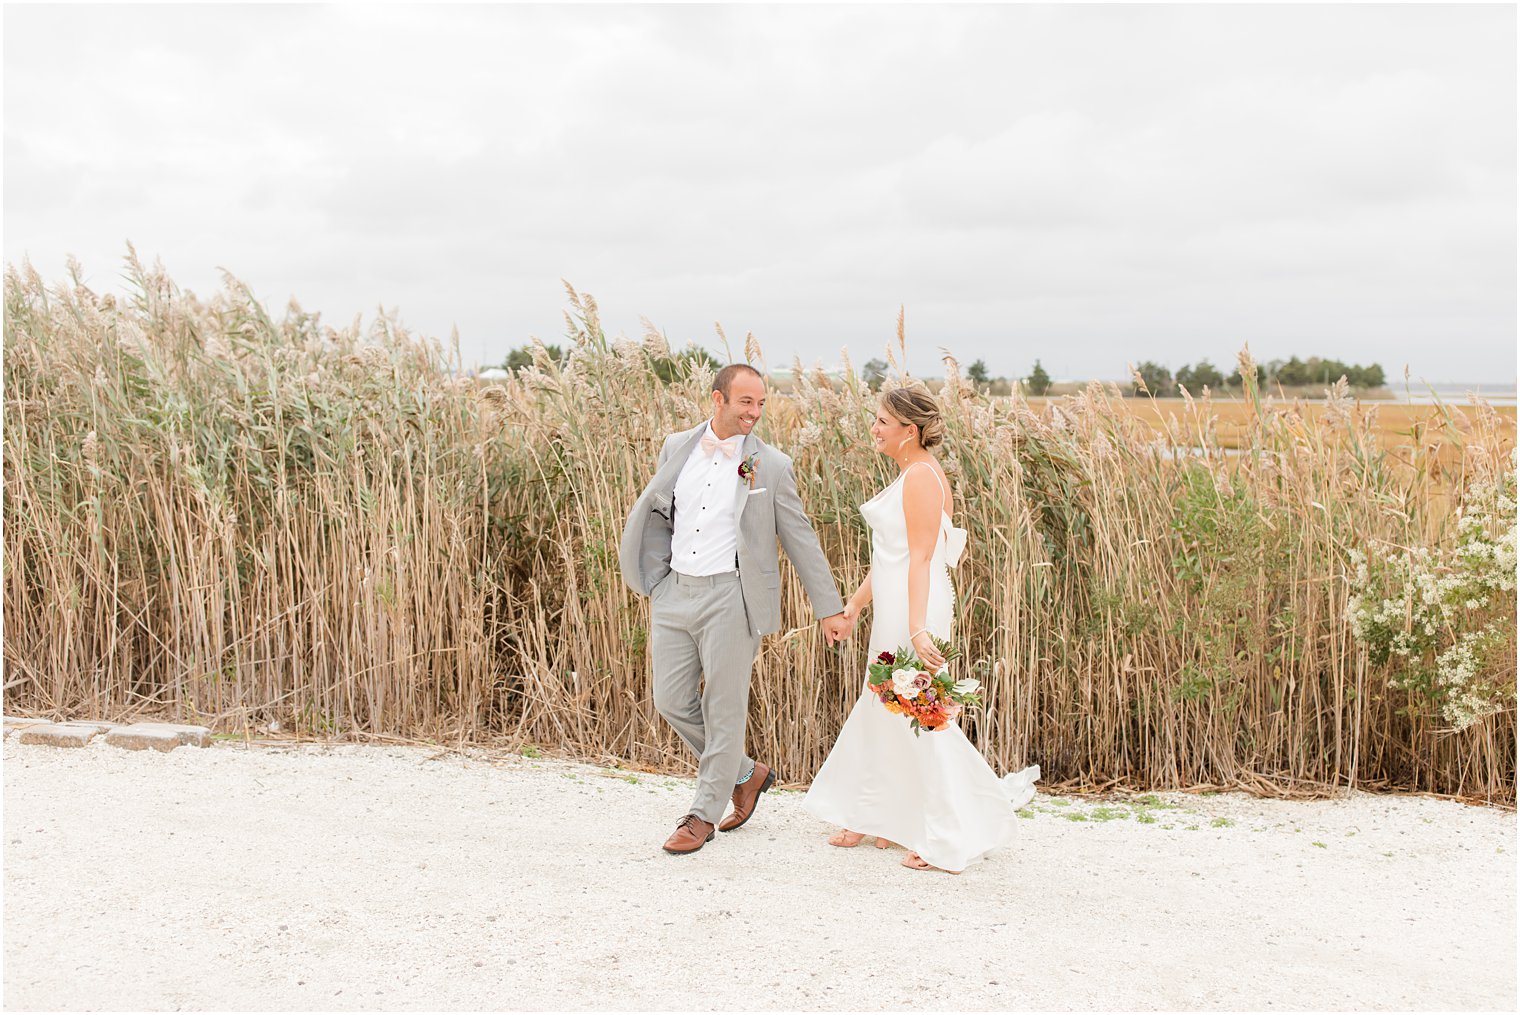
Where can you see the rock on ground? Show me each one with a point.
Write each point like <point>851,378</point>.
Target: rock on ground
<point>59,734</point>
<point>158,736</point>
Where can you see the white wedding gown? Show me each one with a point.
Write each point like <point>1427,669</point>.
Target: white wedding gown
<point>933,793</point>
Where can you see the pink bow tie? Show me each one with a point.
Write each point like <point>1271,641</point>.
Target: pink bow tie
<point>709,443</point>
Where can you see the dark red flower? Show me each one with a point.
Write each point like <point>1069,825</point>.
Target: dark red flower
<point>886,657</point>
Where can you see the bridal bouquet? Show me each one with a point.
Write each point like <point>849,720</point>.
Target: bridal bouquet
<point>906,687</point>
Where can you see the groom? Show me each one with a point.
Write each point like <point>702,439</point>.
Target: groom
<point>701,543</point>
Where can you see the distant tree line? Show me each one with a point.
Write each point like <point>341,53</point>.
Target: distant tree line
<point>1157,380</point>
<point>1314,370</point>
<point>1037,383</point>
<point>1153,378</point>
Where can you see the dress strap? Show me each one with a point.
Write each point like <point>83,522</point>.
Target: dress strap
<point>941,483</point>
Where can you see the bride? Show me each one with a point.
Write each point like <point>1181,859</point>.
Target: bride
<point>932,793</point>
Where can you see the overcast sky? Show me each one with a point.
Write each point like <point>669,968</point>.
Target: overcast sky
<point>1089,185</point>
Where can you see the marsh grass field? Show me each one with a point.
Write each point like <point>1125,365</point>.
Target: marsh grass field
<point>239,519</point>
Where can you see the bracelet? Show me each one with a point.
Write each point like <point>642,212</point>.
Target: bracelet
<point>921,630</point>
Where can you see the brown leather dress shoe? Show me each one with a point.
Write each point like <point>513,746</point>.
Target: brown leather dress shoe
<point>690,835</point>
<point>746,795</point>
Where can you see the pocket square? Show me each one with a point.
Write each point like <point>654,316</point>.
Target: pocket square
<point>761,490</point>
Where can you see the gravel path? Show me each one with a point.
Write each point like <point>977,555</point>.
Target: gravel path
<point>319,877</point>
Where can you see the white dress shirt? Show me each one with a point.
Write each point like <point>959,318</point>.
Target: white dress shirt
<point>705,540</point>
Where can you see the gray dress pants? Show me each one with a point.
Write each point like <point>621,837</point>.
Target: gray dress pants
<point>699,629</point>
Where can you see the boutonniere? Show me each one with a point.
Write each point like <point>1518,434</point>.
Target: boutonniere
<point>747,469</point>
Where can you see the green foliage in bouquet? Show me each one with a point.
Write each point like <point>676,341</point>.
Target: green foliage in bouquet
<point>931,700</point>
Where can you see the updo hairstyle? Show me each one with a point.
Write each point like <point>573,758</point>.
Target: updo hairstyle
<point>917,406</point>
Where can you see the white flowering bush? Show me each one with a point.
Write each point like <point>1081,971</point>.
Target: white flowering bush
<point>1446,617</point>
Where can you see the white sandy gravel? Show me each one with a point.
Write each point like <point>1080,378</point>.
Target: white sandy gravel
<point>321,877</point>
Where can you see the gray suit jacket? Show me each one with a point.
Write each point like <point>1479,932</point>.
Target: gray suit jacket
<point>771,512</point>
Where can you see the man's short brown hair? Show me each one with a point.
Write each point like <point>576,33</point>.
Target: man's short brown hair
<point>724,382</point>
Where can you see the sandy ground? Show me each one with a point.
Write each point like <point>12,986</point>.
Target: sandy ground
<point>319,877</point>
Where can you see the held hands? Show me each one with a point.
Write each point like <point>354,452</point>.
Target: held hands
<point>849,618</point>
<point>923,647</point>
<point>837,628</point>
<point>852,615</point>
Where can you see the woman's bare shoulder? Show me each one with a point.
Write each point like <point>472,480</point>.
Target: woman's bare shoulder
<point>926,485</point>
<point>928,475</point>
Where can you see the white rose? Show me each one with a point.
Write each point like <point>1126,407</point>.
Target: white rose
<point>902,681</point>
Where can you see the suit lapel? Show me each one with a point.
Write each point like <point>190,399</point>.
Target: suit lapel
<point>741,492</point>
<point>664,481</point>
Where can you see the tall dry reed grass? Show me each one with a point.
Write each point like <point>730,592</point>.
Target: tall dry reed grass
<point>232,518</point>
